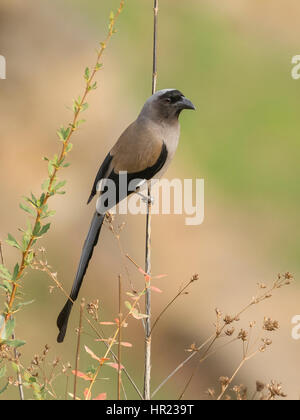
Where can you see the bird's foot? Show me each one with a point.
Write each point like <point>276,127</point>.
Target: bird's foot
<point>146,199</point>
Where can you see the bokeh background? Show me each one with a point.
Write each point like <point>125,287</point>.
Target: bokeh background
<point>233,60</point>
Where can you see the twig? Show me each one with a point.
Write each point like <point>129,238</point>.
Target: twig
<point>147,368</point>
<point>119,339</point>
<point>180,293</point>
<point>244,360</point>
<point>78,347</point>
<point>1,253</point>
<point>181,365</point>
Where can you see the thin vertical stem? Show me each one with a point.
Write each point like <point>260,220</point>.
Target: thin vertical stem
<point>78,348</point>
<point>147,373</point>
<point>119,339</point>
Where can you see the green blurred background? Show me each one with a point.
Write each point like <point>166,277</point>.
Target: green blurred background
<point>233,60</point>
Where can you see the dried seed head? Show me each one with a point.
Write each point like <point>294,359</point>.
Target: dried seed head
<point>55,362</point>
<point>241,392</point>
<point>275,390</point>
<point>267,341</point>
<point>229,332</point>
<point>224,381</point>
<point>218,313</point>
<point>228,320</point>
<point>195,277</point>
<point>243,335</point>
<point>270,325</point>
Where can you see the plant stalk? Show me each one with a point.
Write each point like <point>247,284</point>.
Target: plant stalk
<point>147,371</point>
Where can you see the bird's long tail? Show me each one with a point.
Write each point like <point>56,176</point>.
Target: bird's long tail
<point>86,255</point>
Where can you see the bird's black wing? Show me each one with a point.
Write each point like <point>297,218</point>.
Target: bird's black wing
<point>133,180</point>
<point>100,175</point>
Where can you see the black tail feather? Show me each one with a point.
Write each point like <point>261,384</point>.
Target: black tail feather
<point>62,321</point>
<point>86,255</point>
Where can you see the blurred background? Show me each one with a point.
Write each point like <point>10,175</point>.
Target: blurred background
<point>233,60</point>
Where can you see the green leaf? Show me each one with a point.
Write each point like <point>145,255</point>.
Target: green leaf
<point>69,147</point>
<point>60,185</point>
<point>4,273</point>
<point>2,371</point>
<point>50,168</point>
<point>15,366</point>
<point>6,286</point>
<point>37,228</point>
<point>4,388</point>
<point>16,272</point>
<point>27,209</point>
<point>128,305</point>
<point>45,184</point>
<point>98,67</point>
<point>29,258</point>
<point>2,286</point>
<point>87,73</point>
<point>12,241</point>
<point>8,329</point>
<point>84,106</point>
<point>63,133</point>
<point>14,343</point>
<point>137,315</point>
<point>21,304</point>
<point>78,123</point>
<point>44,229</point>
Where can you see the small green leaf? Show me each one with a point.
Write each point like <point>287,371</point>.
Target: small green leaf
<point>69,147</point>
<point>46,184</point>
<point>60,185</point>
<point>27,209</point>
<point>2,371</point>
<point>14,343</point>
<point>63,133</point>
<point>36,229</point>
<point>16,272</point>
<point>4,273</point>
<point>44,229</point>
<point>8,329</point>
<point>15,366</point>
<point>21,304</point>
<point>84,106</point>
<point>87,73</point>
<point>128,305</point>
<point>4,388</point>
<point>6,286</point>
<point>12,241</point>
<point>29,258</point>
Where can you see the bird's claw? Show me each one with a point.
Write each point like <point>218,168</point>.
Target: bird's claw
<point>146,199</point>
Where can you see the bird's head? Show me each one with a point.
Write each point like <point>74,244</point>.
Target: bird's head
<point>166,104</point>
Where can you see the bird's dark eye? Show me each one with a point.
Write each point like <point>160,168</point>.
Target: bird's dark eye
<point>168,100</point>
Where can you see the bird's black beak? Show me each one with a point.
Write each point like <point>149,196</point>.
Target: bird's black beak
<point>186,104</point>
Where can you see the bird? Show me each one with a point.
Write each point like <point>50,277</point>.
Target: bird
<point>143,151</point>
